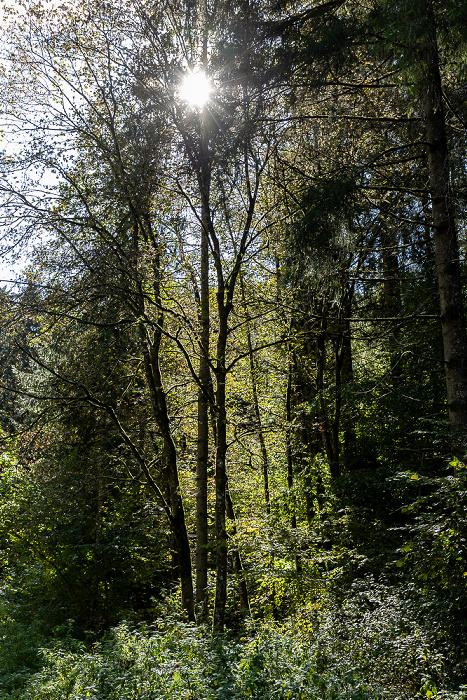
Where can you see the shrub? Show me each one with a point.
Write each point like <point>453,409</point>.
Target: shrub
<point>186,662</point>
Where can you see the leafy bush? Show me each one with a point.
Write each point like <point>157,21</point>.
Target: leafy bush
<point>19,644</point>
<point>374,632</point>
<point>433,558</point>
<point>186,662</point>
<point>368,646</point>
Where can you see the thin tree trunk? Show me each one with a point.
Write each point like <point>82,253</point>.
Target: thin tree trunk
<point>221,473</point>
<point>150,347</point>
<point>237,562</point>
<point>202,455</point>
<point>177,513</point>
<point>180,532</point>
<point>288,439</point>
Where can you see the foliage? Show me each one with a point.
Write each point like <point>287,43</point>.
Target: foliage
<point>76,546</point>
<point>374,629</point>
<point>367,646</point>
<point>434,558</point>
<point>256,277</point>
<point>188,662</point>
<point>19,649</point>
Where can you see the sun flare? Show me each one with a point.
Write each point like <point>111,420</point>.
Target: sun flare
<point>195,89</point>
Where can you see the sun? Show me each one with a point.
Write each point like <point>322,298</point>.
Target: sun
<point>195,89</point>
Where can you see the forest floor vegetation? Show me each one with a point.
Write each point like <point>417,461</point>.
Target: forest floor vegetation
<point>366,646</point>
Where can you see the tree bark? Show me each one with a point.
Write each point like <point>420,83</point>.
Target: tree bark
<point>202,455</point>
<point>445,240</point>
<point>221,473</point>
<point>177,513</point>
<point>150,348</point>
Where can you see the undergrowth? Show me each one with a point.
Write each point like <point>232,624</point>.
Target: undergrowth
<point>365,647</point>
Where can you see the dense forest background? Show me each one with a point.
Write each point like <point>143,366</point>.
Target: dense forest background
<point>233,395</point>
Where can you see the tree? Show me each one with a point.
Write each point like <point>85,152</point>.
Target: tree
<point>148,169</point>
<point>100,214</point>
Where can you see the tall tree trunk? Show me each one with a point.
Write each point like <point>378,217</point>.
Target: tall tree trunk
<point>445,239</point>
<point>150,348</point>
<point>202,455</point>
<point>221,473</point>
<point>179,530</point>
<point>288,440</point>
<point>177,513</point>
